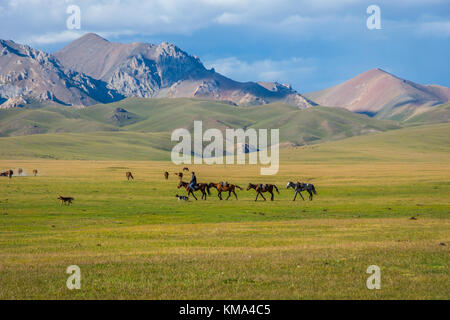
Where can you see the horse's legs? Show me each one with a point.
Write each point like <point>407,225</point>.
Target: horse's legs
<point>257,194</point>
<point>295,196</point>
<point>271,195</point>
<point>236,195</point>
<point>310,195</point>
<point>190,192</point>
<point>229,194</point>
<point>300,193</point>
<point>262,196</point>
<point>220,195</point>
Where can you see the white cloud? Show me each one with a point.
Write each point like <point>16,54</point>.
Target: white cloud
<point>35,19</point>
<point>436,28</point>
<point>53,37</point>
<point>293,70</point>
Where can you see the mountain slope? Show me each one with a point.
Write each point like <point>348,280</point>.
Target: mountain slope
<point>148,70</point>
<point>378,93</point>
<point>297,126</point>
<point>28,75</point>
<point>438,114</point>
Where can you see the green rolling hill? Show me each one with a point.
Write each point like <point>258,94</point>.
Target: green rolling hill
<point>438,114</point>
<point>298,126</point>
<point>139,129</point>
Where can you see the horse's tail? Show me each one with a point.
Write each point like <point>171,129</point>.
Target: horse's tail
<point>238,187</point>
<point>276,188</point>
<point>313,189</point>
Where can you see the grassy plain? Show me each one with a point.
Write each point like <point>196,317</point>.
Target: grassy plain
<point>133,239</point>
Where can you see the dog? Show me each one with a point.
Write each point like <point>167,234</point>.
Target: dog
<point>182,198</point>
<point>66,200</point>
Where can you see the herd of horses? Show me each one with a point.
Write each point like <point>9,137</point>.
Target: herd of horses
<point>9,173</point>
<point>204,188</point>
<point>260,188</point>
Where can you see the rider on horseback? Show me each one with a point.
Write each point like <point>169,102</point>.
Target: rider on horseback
<point>224,184</point>
<point>193,182</point>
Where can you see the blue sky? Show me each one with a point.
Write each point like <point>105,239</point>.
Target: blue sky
<point>310,44</point>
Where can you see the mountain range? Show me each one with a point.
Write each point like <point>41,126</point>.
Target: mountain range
<point>93,70</point>
<point>383,95</point>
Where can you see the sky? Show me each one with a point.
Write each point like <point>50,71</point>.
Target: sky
<point>311,45</point>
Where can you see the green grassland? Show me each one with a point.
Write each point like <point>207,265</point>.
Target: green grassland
<point>133,239</point>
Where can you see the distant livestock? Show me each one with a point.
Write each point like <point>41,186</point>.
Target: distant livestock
<point>8,173</point>
<point>129,175</point>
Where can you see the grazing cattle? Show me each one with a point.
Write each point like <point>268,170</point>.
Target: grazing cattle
<point>299,187</point>
<point>225,187</point>
<point>260,188</point>
<point>166,175</point>
<point>66,200</point>
<point>186,169</point>
<point>203,187</point>
<point>35,172</point>
<point>7,173</point>
<point>19,171</point>
<point>129,175</point>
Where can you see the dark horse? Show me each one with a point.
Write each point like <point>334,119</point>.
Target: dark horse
<point>8,173</point>
<point>229,187</point>
<point>166,175</point>
<point>260,188</point>
<point>203,187</point>
<point>299,187</point>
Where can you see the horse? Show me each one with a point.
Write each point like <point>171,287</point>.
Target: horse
<point>129,175</point>
<point>200,186</point>
<point>19,171</point>
<point>35,172</point>
<point>229,187</point>
<point>186,169</point>
<point>7,173</point>
<point>179,174</point>
<point>299,187</point>
<point>260,188</point>
<point>166,175</point>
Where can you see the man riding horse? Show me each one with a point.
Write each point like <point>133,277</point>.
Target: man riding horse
<point>193,183</point>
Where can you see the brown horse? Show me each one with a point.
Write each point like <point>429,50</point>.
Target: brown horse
<point>186,169</point>
<point>35,172</point>
<point>19,171</point>
<point>260,188</point>
<point>129,175</point>
<point>229,187</point>
<point>166,175</point>
<point>179,174</point>
<point>203,187</point>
